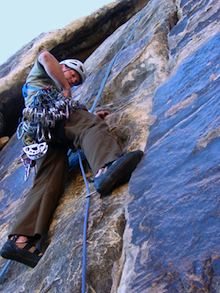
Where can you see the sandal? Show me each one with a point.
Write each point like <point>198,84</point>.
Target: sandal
<point>25,252</point>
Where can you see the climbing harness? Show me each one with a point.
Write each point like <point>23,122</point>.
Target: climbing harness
<point>48,107</point>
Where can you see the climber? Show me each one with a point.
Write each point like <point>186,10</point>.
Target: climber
<point>81,129</point>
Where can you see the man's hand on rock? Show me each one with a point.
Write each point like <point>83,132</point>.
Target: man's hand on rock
<point>102,114</point>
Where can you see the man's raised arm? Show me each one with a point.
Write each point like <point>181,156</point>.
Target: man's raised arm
<point>54,71</point>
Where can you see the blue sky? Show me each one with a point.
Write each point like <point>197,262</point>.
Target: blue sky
<point>23,20</point>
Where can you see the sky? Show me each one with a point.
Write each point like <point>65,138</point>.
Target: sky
<point>23,20</point>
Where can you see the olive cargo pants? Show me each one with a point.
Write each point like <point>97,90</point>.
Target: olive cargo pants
<point>88,133</point>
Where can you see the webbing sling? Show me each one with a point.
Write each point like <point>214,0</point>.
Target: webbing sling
<point>25,87</point>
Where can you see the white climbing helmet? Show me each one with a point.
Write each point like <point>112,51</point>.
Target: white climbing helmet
<point>77,66</point>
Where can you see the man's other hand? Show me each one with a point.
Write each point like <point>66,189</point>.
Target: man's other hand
<point>102,114</point>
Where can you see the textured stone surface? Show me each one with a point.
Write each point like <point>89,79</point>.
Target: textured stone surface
<point>161,233</point>
<point>3,141</point>
<point>173,215</point>
<point>178,235</point>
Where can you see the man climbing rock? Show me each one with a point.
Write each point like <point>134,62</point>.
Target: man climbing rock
<point>81,129</point>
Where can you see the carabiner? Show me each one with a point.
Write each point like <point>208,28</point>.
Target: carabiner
<point>20,130</point>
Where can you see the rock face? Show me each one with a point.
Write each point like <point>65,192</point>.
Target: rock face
<point>160,233</point>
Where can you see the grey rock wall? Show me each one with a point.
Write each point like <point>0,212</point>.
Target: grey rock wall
<point>159,233</point>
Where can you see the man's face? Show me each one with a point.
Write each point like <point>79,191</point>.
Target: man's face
<point>71,76</point>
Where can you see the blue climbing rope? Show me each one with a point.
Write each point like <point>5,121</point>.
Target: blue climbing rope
<point>111,64</point>
<point>85,224</point>
<point>80,161</point>
<point>4,270</point>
